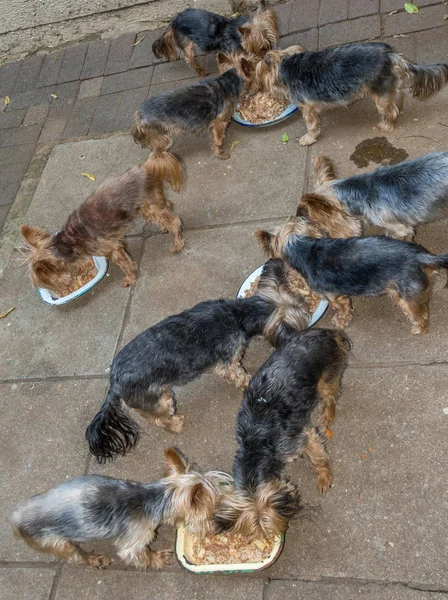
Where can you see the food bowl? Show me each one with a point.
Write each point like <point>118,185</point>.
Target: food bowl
<point>101,265</point>
<point>288,112</point>
<point>315,317</point>
<point>184,555</point>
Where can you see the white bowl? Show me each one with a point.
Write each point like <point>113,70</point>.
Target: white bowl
<point>315,317</point>
<point>184,555</point>
<point>289,110</point>
<point>101,265</point>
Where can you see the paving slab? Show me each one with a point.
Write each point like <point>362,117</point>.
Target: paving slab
<point>26,584</point>
<point>91,585</point>
<point>42,445</point>
<point>313,590</point>
<point>385,517</point>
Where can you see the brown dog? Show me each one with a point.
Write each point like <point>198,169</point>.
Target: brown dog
<point>97,228</point>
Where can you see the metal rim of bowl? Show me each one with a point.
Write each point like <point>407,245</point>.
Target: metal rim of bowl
<point>288,112</point>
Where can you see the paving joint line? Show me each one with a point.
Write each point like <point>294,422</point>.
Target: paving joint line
<point>55,378</point>
<point>55,583</point>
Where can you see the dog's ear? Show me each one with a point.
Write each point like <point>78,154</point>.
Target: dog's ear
<point>246,67</point>
<point>176,463</point>
<point>223,60</point>
<point>302,207</point>
<point>265,238</point>
<point>34,236</point>
<point>243,30</point>
<point>199,495</point>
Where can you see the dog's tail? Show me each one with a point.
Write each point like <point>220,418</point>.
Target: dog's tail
<point>165,46</point>
<point>290,310</point>
<point>440,261</point>
<point>112,431</point>
<point>424,80</point>
<point>324,171</point>
<point>165,166</point>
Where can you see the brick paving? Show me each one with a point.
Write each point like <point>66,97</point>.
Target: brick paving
<point>125,72</point>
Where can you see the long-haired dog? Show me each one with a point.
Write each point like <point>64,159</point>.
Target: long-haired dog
<point>95,508</point>
<point>97,228</point>
<point>333,77</point>
<point>359,266</point>
<point>274,427</point>
<point>198,28</point>
<point>208,104</point>
<point>397,198</point>
<point>180,348</point>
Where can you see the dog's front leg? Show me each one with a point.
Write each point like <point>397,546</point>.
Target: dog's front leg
<point>312,120</point>
<point>122,258</point>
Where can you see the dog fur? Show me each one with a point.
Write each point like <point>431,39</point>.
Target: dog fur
<point>274,427</point>
<point>196,28</point>
<point>97,228</point>
<point>97,508</point>
<point>323,79</point>
<point>180,348</point>
<point>367,266</point>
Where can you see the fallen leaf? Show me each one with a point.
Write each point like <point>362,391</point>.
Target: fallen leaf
<point>329,434</point>
<point>400,35</point>
<point>7,100</point>
<point>89,176</point>
<point>139,41</point>
<point>235,15</point>
<point>233,144</point>
<point>363,456</point>
<point>370,449</point>
<point>53,95</point>
<point>285,137</point>
<point>393,12</point>
<point>410,8</point>
<point>6,313</point>
<point>445,17</point>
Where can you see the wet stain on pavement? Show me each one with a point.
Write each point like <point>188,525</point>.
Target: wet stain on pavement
<point>377,150</point>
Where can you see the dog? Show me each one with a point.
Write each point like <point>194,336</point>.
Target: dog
<point>366,266</point>
<point>180,348</point>
<point>274,427</point>
<point>333,77</point>
<point>397,198</point>
<point>96,508</point>
<point>97,228</point>
<point>207,104</point>
<point>196,28</point>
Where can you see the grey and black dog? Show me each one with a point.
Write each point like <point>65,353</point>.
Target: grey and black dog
<point>397,198</point>
<point>366,266</point>
<point>196,28</point>
<point>175,351</point>
<point>333,77</point>
<point>274,427</point>
<point>95,508</point>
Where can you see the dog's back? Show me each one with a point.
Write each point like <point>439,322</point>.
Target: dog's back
<point>209,31</point>
<point>337,74</point>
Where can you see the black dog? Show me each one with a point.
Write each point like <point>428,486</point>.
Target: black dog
<point>180,348</point>
<point>198,28</point>
<point>368,266</point>
<point>337,76</point>
<point>274,427</point>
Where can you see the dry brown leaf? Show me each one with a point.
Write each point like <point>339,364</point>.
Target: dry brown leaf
<point>89,176</point>
<point>139,41</point>
<point>6,313</point>
<point>393,12</point>
<point>329,434</point>
<point>363,456</point>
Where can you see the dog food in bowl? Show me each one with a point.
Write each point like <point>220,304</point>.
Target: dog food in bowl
<point>83,272</point>
<point>227,548</point>
<point>261,108</point>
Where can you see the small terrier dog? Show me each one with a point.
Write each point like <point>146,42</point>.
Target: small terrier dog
<point>180,348</point>
<point>333,77</point>
<point>198,28</point>
<point>97,228</point>
<point>359,266</point>
<point>274,427</point>
<point>96,508</point>
<point>397,198</point>
<point>207,104</point>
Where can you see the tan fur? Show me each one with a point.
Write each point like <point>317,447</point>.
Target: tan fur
<point>244,64</point>
<point>190,59</point>
<point>416,309</point>
<point>342,305</point>
<point>324,172</point>
<point>235,372</point>
<point>423,83</point>
<point>218,129</point>
<point>273,244</point>
<point>328,217</point>
<point>163,414</point>
<point>318,456</point>
<point>261,33</point>
<point>166,46</point>
<point>267,70</point>
<point>166,167</point>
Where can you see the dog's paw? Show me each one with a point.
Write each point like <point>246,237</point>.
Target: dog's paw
<point>387,127</point>
<point>223,155</point>
<point>176,423</point>
<point>307,139</point>
<point>324,481</point>
<point>128,280</point>
<point>178,245</point>
<point>98,561</point>
<point>419,329</point>
<point>161,558</point>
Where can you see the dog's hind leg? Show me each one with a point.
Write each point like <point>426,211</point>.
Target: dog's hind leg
<point>234,372</point>
<point>311,117</point>
<point>416,308</point>
<point>119,255</point>
<point>342,305</point>
<point>65,550</point>
<point>328,388</point>
<point>133,548</point>
<point>388,110</point>
<point>190,59</point>
<point>157,209</point>
<point>315,450</point>
<point>163,413</point>
<point>218,129</point>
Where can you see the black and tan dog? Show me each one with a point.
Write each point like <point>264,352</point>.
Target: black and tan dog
<point>397,198</point>
<point>359,266</point>
<point>274,427</point>
<point>95,508</point>
<point>333,77</point>
<point>182,347</point>
<point>196,28</point>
